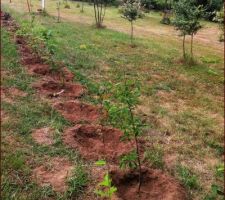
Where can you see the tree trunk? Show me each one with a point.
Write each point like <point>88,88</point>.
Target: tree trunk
<point>132,33</point>
<point>184,53</point>
<point>139,165</point>
<point>82,7</point>
<point>28,5</point>
<point>192,36</point>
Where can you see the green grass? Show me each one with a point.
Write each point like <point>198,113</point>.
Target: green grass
<point>182,104</point>
<point>20,152</point>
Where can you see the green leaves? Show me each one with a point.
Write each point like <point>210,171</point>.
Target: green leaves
<point>129,160</point>
<point>100,163</point>
<point>107,189</point>
<point>131,10</point>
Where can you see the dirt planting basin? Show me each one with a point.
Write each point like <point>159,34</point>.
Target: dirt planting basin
<point>76,111</point>
<point>155,185</point>
<point>88,139</point>
<point>54,89</point>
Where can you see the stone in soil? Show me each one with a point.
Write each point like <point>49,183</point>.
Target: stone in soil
<point>55,172</point>
<point>88,139</point>
<point>155,185</point>
<point>76,111</point>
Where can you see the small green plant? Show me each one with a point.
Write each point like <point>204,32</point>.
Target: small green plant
<point>122,116</point>
<point>215,192</point>
<point>77,182</point>
<point>154,156</point>
<point>105,188</point>
<point>189,179</point>
<point>78,5</point>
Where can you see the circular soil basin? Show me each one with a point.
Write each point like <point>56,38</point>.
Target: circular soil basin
<point>56,89</point>
<point>88,139</point>
<point>76,111</point>
<point>155,186</point>
<point>44,69</point>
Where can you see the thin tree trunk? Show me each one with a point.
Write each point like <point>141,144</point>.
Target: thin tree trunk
<point>192,36</point>
<point>28,5</point>
<point>139,164</point>
<point>184,53</point>
<point>96,21</point>
<point>132,32</point>
<point>137,150</point>
<point>82,7</point>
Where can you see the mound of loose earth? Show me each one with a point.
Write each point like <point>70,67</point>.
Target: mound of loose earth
<point>55,174</point>
<point>88,139</point>
<point>155,185</point>
<point>76,111</point>
<point>53,88</point>
<point>43,69</point>
<point>43,136</point>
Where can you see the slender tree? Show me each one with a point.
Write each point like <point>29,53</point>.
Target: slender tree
<point>99,11</point>
<point>131,11</point>
<point>187,20</point>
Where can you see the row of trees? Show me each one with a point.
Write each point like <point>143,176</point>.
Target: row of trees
<point>187,15</point>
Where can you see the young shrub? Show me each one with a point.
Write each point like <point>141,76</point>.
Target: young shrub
<point>187,20</point>
<point>105,188</point>
<point>67,5</point>
<point>122,116</point>
<point>99,11</point>
<point>131,11</point>
<point>220,19</point>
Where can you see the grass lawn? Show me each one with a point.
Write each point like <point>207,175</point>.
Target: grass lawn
<point>183,105</point>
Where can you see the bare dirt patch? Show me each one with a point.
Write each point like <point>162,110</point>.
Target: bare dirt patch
<point>54,89</point>
<point>9,94</point>
<point>155,185</point>
<point>76,111</point>
<point>55,174</point>
<point>88,139</point>
<point>43,136</point>
<point>45,70</point>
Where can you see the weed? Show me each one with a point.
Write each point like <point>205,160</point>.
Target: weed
<point>77,182</point>
<point>188,178</point>
<point>154,156</point>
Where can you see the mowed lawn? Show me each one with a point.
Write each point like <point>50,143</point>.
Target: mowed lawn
<point>182,104</point>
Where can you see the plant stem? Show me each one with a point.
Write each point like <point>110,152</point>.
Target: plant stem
<point>132,32</point>
<point>137,147</point>
<point>192,45</point>
<point>184,54</point>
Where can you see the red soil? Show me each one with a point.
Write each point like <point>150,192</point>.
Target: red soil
<point>44,70</point>
<point>43,136</point>
<point>88,139</point>
<point>55,89</point>
<point>76,111</point>
<point>55,173</point>
<point>155,186</point>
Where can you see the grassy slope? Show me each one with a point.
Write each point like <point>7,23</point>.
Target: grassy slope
<point>183,104</point>
<point>20,153</point>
